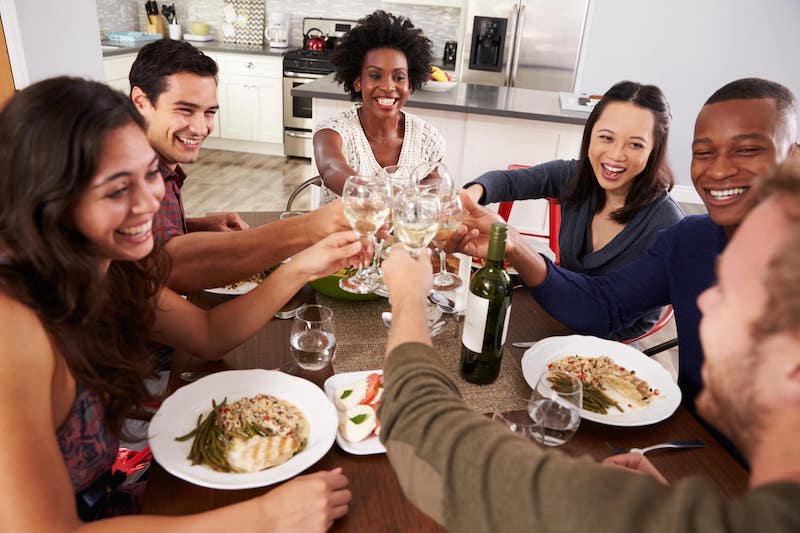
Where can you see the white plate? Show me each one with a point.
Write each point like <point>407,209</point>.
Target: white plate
<point>178,416</point>
<point>477,263</point>
<point>438,86</point>
<point>368,446</point>
<point>535,361</point>
<point>244,288</point>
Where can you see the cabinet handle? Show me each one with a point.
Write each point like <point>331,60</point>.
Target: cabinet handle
<point>251,66</point>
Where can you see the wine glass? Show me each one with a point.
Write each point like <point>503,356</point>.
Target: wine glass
<point>432,174</point>
<point>398,177</point>
<point>555,407</point>
<point>312,339</point>
<point>516,419</point>
<point>451,213</point>
<point>415,216</point>
<point>366,204</point>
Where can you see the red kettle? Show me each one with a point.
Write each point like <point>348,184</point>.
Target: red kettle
<point>315,42</point>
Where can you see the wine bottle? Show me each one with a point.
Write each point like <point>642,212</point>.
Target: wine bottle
<point>486,318</point>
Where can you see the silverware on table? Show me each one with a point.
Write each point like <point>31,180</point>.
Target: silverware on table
<point>670,444</point>
<point>523,344</point>
<point>195,375</point>
<point>442,302</point>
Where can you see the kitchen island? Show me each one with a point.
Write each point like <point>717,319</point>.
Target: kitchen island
<point>485,128</point>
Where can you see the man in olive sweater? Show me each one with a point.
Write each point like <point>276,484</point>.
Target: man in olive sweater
<point>471,474</point>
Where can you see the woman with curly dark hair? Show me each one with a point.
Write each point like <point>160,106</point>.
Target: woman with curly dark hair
<point>380,62</point>
<point>81,292</point>
<point>615,197</point>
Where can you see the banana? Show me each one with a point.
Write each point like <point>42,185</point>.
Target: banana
<point>438,74</point>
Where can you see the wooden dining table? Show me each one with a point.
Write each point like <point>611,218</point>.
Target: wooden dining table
<point>378,502</point>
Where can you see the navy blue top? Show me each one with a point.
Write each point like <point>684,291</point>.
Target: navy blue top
<point>575,236</point>
<point>676,269</point>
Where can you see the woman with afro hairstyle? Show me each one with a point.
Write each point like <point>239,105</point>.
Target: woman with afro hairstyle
<point>380,62</point>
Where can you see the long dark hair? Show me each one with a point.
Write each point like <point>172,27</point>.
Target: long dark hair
<point>656,176</point>
<point>52,136</point>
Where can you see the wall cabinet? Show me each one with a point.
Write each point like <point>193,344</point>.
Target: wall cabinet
<point>116,69</point>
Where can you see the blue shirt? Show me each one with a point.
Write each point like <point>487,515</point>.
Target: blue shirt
<point>676,269</point>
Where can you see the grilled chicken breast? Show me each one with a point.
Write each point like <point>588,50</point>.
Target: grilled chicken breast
<point>258,453</point>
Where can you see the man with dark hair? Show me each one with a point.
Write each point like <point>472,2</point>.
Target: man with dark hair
<point>174,86</point>
<point>742,133</point>
<point>447,456</point>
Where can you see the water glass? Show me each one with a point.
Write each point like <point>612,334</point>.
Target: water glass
<point>555,407</point>
<point>515,418</point>
<point>312,339</point>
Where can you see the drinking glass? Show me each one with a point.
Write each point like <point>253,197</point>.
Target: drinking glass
<point>555,407</point>
<point>450,215</point>
<point>399,178</point>
<point>516,419</point>
<point>312,339</point>
<point>366,204</point>
<point>415,216</point>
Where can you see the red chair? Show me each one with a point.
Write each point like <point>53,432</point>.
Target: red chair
<point>554,225</point>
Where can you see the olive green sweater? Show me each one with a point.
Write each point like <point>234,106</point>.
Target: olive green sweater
<point>469,474</point>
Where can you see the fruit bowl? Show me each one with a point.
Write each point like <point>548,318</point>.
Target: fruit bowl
<point>438,86</point>
<point>329,286</point>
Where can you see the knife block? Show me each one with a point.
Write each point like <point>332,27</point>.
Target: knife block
<point>156,25</point>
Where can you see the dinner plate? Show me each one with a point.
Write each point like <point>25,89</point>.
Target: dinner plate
<point>178,416</point>
<point>244,288</point>
<point>368,446</point>
<point>536,359</point>
<point>478,262</point>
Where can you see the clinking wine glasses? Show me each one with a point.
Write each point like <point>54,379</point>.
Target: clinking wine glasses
<point>366,204</point>
<point>399,178</point>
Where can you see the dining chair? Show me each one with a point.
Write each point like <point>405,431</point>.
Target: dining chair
<point>316,181</point>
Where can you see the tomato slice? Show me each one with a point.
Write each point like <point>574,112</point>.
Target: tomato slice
<point>373,384</point>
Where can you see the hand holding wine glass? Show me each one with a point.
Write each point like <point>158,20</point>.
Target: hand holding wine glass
<point>365,201</point>
<point>450,215</point>
<point>415,216</point>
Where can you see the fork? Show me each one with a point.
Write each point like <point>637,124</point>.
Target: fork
<point>670,444</point>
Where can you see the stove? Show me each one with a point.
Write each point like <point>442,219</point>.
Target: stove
<point>303,66</point>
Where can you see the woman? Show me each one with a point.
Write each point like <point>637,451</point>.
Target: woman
<point>81,293</point>
<point>380,62</point>
<point>614,198</point>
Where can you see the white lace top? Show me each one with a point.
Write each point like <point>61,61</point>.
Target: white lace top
<point>421,143</point>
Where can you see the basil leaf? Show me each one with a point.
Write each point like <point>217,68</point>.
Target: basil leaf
<point>345,394</point>
<point>358,419</point>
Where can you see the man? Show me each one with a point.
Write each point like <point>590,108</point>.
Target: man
<point>447,457</point>
<point>742,132</point>
<point>174,86</point>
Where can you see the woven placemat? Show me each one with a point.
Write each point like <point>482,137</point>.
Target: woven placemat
<point>361,345</point>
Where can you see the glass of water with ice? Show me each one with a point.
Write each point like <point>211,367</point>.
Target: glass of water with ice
<point>312,339</point>
<point>555,407</point>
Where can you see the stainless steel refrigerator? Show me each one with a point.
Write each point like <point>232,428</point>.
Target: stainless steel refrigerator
<point>524,43</point>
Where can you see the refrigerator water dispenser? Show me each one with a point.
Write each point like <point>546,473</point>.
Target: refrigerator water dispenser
<point>488,42</point>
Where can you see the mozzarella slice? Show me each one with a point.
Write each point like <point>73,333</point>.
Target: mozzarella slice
<point>377,399</point>
<point>357,423</point>
<point>350,395</point>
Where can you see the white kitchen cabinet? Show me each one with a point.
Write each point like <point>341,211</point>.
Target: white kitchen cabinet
<point>444,3</point>
<point>116,69</point>
<point>251,98</point>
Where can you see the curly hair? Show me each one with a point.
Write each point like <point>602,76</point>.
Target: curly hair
<point>381,30</point>
<point>655,178</point>
<point>52,136</point>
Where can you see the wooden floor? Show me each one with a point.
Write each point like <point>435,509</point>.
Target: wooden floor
<point>235,181</point>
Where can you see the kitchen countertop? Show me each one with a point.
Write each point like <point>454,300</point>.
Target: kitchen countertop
<point>206,46</point>
<point>471,98</point>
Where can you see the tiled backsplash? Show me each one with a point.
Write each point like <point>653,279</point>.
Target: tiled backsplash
<point>439,23</point>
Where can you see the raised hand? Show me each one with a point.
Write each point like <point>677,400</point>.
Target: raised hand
<point>406,276</point>
<point>332,253</point>
<point>472,238</point>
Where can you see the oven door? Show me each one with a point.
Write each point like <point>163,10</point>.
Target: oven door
<point>297,109</point>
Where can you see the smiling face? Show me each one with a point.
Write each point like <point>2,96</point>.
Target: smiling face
<point>735,142</point>
<point>116,211</point>
<point>621,143</point>
<point>182,116</point>
<point>736,365</point>
<point>383,82</point>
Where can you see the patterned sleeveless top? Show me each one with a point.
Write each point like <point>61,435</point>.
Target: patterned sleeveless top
<point>87,447</point>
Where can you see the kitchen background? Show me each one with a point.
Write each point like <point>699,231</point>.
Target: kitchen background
<point>440,23</point>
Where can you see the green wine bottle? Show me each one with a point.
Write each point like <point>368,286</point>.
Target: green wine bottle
<point>488,309</point>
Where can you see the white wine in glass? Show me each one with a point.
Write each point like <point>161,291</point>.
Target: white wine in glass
<point>415,215</point>
<point>365,202</point>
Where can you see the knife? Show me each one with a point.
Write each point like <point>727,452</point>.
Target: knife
<point>523,344</point>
